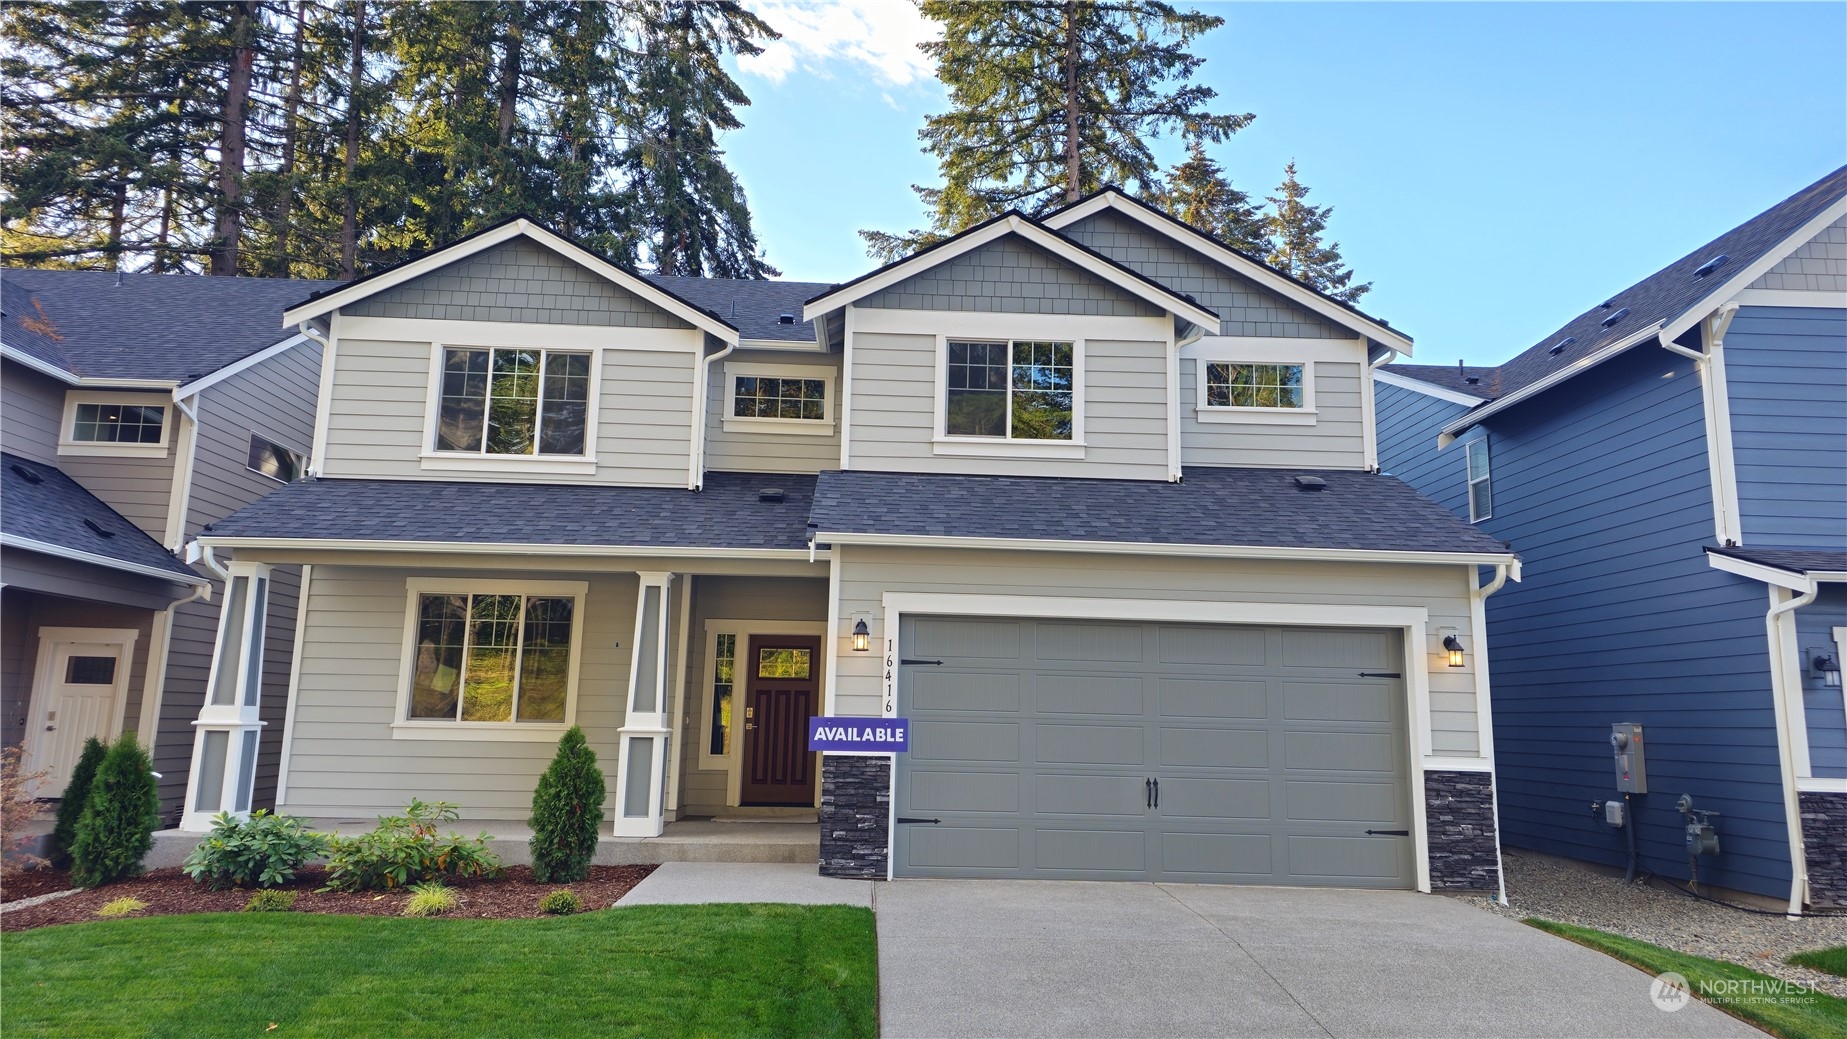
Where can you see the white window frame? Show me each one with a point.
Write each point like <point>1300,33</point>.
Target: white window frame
<point>1008,446</point>
<point>1469,481</point>
<point>306,459</point>
<point>404,727</point>
<point>823,426</point>
<point>733,763</point>
<point>68,444</point>
<point>480,461</point>
<point>1302,416</point>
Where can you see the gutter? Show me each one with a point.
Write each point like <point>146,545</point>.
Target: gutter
<point>1779,698</point>
<point>79,556</point>
<point>1153,548</point>
<point>695,468</point>
<point>70,379</point>
<point>200,548</point>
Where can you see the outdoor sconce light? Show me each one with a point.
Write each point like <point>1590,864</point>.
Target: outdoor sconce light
<point>862,636</point>
<point>1829,668</point>
<point>1454,646</point>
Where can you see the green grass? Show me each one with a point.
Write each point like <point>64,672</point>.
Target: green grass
<point>745,970</point>
<point>1834,960</point>
<point>1822,1017</point>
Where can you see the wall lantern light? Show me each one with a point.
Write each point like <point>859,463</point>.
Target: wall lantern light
<point>1454,646</point>
<point>862,636</point>
<point>1829,668</point>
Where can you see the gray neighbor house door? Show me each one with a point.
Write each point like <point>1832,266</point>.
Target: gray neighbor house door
<point>1148,751</point>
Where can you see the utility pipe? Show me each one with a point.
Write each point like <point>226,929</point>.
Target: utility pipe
<point>1779,697</point>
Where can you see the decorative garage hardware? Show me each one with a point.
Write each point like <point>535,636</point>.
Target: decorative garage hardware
<point>1153,790</point>
<point>859,735</point>
<point>909,819</point>
<point>1388,833</point>
<point>1381,674</point>
<point>932,663</point>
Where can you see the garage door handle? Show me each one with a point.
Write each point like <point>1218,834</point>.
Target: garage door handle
<point>1157,793</point>
<point>936,663</point>
<point>1380,674</point>
<point>1388,833</point>
<point>1148,793</point>
<point>910,819</point>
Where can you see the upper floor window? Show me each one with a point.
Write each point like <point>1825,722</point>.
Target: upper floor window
<point>1255,391</point>
<point>113,424</point>
<point>779,398</point>
<point>1481,482</point>
<point>1017,390</point>
<point>514,402</point>
<point>275,461</point>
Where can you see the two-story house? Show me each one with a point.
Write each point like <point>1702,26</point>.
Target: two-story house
<point>134,410</point>
<point>1671,465</point>
<point>1089,501</point>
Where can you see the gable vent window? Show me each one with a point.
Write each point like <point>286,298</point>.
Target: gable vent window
<point>1481,483</point>
<point>514,402</point>
<point>275,461</point>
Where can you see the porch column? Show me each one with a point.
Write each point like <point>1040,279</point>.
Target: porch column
<point>227,731</point>
<point>641,779</point>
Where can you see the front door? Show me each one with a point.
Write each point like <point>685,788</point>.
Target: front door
<point>80,688</point>
<point>781,692</point>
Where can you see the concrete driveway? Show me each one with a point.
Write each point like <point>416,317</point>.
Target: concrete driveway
<point>1027,958</point>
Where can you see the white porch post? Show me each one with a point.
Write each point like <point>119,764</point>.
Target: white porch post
<point>641,779</point>
<point>227,731</point>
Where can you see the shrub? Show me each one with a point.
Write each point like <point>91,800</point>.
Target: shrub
<point>431,899</point>
<point>567,809</point>
<point>76,794</point>
<point>17,808</point>
<point>270,900</point>
<point>264,850</point>
<point>406,849</point>
<point>119,817</point>
<point>122,907</point>
<point>560,903</point>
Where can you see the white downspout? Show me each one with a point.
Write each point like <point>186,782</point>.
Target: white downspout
<point>198,553</point>
<point>695,476</point>
<point>1369,407</point>
<point>1479,608</point>
<point>1779,698</point>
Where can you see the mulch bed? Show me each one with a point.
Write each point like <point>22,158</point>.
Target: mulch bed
<point>169,892</point>
<point>34,882</point>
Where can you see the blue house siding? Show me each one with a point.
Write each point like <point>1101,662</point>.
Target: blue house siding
<point>1821,706</point>
<point>1408,424</point>
<point>1786,376</point>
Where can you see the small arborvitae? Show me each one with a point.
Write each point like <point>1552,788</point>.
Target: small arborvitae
<point>567,810</point>
<point>116,830</point>
<point>76,793</point>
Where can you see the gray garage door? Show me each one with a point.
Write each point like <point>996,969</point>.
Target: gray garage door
<point>1081,750</point>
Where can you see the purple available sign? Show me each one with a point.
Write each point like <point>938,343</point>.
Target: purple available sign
<point>863,735</point>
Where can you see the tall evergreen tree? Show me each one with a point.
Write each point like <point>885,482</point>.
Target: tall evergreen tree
<point>1051,99</point>
<point>1198,193</point>
<point>1296,248</point>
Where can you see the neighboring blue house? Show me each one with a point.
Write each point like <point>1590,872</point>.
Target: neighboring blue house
<point>1671,466</point>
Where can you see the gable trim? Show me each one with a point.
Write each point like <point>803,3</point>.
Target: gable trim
<point>72,379</point>
<point>1405,382</point>
<point>1674,328</point>
<point>238,367</point>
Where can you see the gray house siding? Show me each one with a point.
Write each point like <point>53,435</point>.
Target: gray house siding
<point>519,280</point>
<point>17,662</point>
<point>755,451</point>
<point>1820,265</point>
<point>1822,707</point>
<point>138,487</point>
<point>1409,422</point>
<point>1786,377</point>
<point>1337,440</point>
<point>31,407</point>
<point>24,613</point>
<point>1012,276</point>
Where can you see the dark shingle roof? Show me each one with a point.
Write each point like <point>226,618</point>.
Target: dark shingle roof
<point>1667,294</point>
<point>1794,560</point>
<point>1219,507</point>
<point>753,306</point>
<point>149,326</point>
<point>44,505</point>
<point>1450,377</point>
<point>726,514</point>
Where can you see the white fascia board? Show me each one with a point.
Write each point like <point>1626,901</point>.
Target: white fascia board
<point>1405,382</point>
<point>1269,279</point>
<point>80,556</point>
<point>1801,298</point>
<point>493,548</point>
<point>1737,283</point>
<point>45,368</point>
<point>1770,575</point>
<point>1057,245</point>
<point>1144,548</point>
<point>1570,371</point>
<point>236,368</point>
<point>506,232</point>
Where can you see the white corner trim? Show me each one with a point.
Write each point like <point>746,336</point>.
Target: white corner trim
<point>80,556</point>
<point>294,691</point>
<point>1738,282</point>
<point>1405,382</point>
<point>236,368</point>
<point>1799,298</point>
<point>1144,548</point>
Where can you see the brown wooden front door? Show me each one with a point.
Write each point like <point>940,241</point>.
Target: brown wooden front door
<point>781,692</point>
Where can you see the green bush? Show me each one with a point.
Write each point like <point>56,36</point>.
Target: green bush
<point>264,850</point>
<point>119,817</point>
<point>560,903</point>
<point>121,907</point>
<point>431,899</point>
<point>76,793</point>
<point>407,849</point>
<point>270,900</point>
<point>567,810</point>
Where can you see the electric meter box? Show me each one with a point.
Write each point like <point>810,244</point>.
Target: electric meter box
<point>1631,763</point>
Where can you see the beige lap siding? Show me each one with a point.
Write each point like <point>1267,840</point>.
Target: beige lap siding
<point>1336,440</point>
<point>866,574</point>
<point>344,762</point>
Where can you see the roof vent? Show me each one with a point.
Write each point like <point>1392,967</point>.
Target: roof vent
<point>785,319</point>
<point>1710,265</point>
<point>1473,380</point>
<point>1559,347</point>
<point>1614,318</point>
<point>1311,483</point>
<point>772,495</point>
<point>98,529</point>
<point>1606,304</point>
<point>28,475</point>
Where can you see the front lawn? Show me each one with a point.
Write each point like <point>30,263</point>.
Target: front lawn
<point>1773,1007</point>
<point>1834,960</point>
<point>761,970</point>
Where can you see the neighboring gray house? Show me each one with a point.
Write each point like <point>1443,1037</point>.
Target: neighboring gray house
<point>134,410</point>
<point>1091,501</point>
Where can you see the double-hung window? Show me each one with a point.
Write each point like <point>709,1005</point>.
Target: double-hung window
<point>480,655</point>
<point>1481,482</point>
<point>1011,390</point>
<point>514,401</point>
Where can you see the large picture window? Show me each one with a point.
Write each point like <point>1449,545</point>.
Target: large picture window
<point>1017,390</point>
<point>514,402</point>
<point>486,657</point>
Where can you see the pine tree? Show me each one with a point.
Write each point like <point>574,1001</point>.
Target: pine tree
<point>76,795</point>
<point>1295,229</point>
<point>567,809</point>
<point>1052,99</point>
<point>116,830</point>
<point>1197,192</point>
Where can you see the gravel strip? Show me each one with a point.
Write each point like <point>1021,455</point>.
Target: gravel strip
<point>28,903</point>
<point>1572,892</point>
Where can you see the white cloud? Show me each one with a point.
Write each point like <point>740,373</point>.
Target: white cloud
<point>880,36</point>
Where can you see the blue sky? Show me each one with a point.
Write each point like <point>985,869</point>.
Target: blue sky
<point>1494,168</point>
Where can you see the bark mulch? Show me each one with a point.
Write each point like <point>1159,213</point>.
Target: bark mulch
<point>169,891</point>
<point>28,883</point>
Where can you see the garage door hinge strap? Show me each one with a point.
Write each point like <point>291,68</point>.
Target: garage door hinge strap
<point>1380,674</point>
<point>1388,833</point>
<point>935,662</point>
<point>908,819</point>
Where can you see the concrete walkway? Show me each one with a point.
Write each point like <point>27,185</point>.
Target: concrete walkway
<point>1067,959</point>
<point>685,883</point>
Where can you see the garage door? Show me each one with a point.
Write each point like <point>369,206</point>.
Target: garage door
<point>1081,750</point>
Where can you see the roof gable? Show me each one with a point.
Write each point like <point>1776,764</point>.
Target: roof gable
<point>1013,275</point>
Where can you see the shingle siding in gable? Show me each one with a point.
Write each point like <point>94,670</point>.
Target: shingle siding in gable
<point>1245,308</point>
<point>516,281</point>
<point>1010,276</point>
<point>1408,424</point>
<point>1786,378</point>
<point>1820,265</point>
<point>1822,707</point>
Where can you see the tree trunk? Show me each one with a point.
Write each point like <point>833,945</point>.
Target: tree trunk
<point>509,73</point>
<point>349,205</point>
<point>291,105</point>
<point>231,144</point>
<point>161,255</point>
<point>118,215</point>
<point>1072,168</point>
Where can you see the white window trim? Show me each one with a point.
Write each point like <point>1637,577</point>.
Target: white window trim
<point>823,426</point>
<point>307,461</point>
<point>69,445</point>
<point>403,727</point>
<point>733,763</point>
<point>1302,416</point>
<point>1469,481</point>
<point>1008,447</point>
<point>468,461</point>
